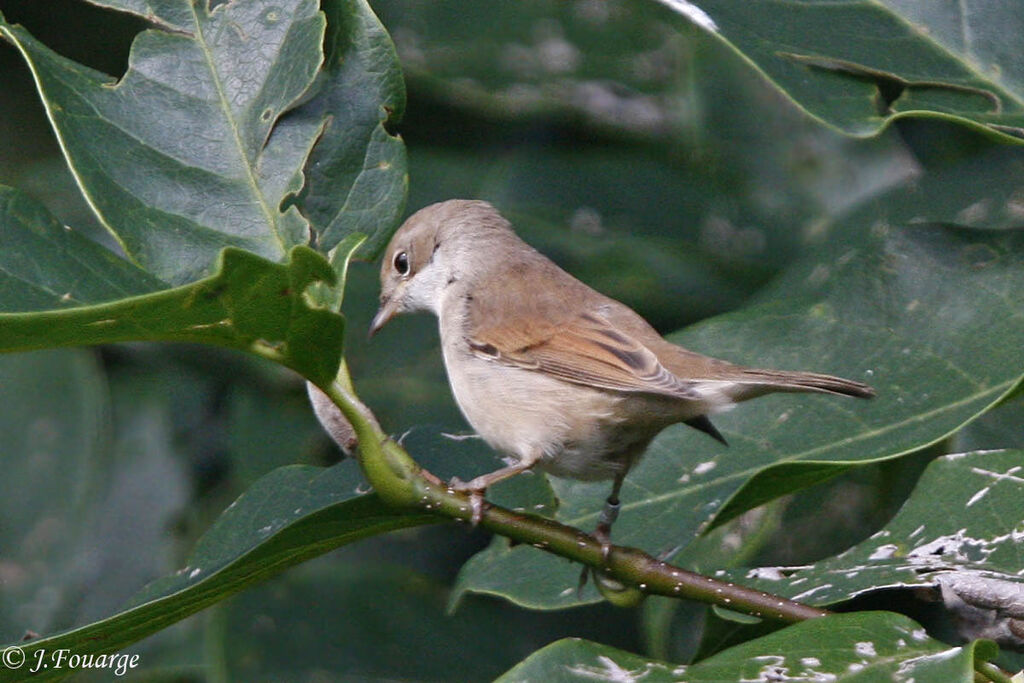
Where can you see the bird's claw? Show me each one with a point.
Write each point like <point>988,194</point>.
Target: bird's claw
<point>476,506</point>
<point>582,583</point>
<point>603,535</point>
<point>476,498</point>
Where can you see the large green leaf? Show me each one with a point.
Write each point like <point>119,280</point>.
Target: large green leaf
<point>181,157</point>
<point>209,150</point>
<point>250,304</point>
<point>963,523</point>
<point>356,177</point>
<point>60,289</point>
<point>289,516</point>
<point>893,304</point>
<point>868,646</point>
<point>856,65</point>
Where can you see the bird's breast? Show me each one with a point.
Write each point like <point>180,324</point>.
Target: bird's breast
<point>580,432</point>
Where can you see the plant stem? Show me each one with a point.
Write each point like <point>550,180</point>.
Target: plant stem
<point>398,480</point>
<point>987,671</point>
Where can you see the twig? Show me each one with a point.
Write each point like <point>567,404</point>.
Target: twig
<point>398,480</point>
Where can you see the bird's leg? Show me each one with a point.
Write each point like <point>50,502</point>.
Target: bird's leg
<point>610,512</point>
<point>478,487</point>
<point>603,532</point>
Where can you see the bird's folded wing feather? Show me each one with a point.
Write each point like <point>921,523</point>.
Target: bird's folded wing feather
<point>585,349</point>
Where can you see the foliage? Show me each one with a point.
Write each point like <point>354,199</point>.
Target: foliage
<point>836,186</point>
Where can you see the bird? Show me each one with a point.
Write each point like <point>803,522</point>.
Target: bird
<point>552,374</point>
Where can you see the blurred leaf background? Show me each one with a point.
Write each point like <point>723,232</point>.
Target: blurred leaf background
<point>643,156</point>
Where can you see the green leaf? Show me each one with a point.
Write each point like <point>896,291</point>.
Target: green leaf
<point>356,179</point>
<point>628,66</point>
<point>857,66</point>
<point>869,646</point>
<point>250,304</point>
<point>964,521</point>
<point>44,265</point>
<point>899,307</point>
<point>287,517</point>
<point>181,156</point>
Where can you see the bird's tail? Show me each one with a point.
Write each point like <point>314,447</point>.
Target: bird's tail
<point>751,382</point>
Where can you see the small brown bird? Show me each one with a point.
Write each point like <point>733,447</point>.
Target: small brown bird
<point>549,372</point>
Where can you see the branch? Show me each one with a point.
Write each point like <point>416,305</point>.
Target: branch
<point>399,481</point>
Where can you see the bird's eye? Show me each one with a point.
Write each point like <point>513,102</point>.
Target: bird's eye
<point>402,263</point>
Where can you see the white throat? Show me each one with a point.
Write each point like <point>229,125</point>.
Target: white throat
<point>426,290</point>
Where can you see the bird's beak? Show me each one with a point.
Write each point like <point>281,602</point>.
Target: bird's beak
<point>384,314</point>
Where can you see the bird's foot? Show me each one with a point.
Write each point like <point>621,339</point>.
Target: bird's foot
<point>476,497</point>
<point>611,589</point>
<point>603,532</point>
<point>603,535</point>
